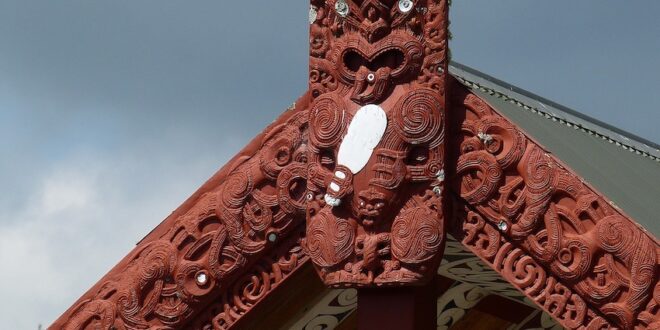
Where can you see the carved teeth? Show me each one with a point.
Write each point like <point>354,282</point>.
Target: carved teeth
<point>340,175</point>
<point>334,187</point>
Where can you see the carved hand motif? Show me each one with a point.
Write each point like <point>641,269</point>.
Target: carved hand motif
<point>376,141</point>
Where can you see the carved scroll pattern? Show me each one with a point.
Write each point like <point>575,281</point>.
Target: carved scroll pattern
<point>381,224</point>
<point>252,287</point>
<point>547,232</point>
<point>216,248</point>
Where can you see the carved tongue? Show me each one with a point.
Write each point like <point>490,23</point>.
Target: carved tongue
<point>364,134</point>
<point>367,90</point>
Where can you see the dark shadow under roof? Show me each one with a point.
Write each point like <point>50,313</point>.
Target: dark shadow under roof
<point>620,165</point>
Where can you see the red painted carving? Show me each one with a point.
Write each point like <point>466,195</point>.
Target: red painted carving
<point>238,298</point>
<point>214,247</point>
<point>546,231</point>
<point>380,224</point>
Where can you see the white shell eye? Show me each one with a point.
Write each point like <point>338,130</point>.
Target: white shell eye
<point>342,8</point>
<point>201,278</point>
<point>405,5</point>
<point>371,77</point>
<point>503,226</point>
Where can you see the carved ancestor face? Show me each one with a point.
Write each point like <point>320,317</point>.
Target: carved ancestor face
<point>376,140</point>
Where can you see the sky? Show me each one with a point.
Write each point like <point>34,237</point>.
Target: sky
<point>113,112</point>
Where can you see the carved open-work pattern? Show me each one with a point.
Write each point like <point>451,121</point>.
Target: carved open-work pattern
<point>546,231</point>
<point>228,246</point>
<point>253,286</point>
<point>376,146</point>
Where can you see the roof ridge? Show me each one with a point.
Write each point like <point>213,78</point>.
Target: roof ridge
<point>556,118</point>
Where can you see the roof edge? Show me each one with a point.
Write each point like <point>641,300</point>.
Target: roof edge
<point>476,79</point>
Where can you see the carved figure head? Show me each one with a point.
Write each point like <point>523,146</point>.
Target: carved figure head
<point>376,137</point>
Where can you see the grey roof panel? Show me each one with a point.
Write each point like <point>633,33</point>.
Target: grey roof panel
<point>623,167</point>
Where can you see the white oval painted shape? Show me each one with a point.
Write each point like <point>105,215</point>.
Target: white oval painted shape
<point>364,133</point>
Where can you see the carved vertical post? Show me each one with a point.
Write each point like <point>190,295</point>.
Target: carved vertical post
<point>392,308</point>
<point>376,152</point>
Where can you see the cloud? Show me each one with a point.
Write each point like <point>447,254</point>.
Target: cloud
<point>68,191</point>
<point>82,216</point>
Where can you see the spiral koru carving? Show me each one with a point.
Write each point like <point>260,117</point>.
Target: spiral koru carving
<point>546,231</point>
<point>417,235</point>
<point>329,240</point>
<point>327,122</point>
<point>418,117</point>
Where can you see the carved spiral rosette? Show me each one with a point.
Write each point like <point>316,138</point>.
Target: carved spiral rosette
<point>329,240</point>
<point>327,121</point>
<point>418,118</point>
<point>417,235</point>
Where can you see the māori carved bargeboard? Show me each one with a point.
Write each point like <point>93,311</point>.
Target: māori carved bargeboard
<point>376,145</point>
<point>545,230</point>
<point>231,242</point>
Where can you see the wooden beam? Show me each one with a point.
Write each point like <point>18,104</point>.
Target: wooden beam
<point>396,308</point>
<point>400,308</point>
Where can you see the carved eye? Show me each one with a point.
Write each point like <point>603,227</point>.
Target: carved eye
<point>283,156</point>
<point>418,156</point>
<point>392,58</point>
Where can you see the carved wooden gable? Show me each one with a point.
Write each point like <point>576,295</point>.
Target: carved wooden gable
<point>363,178</point>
